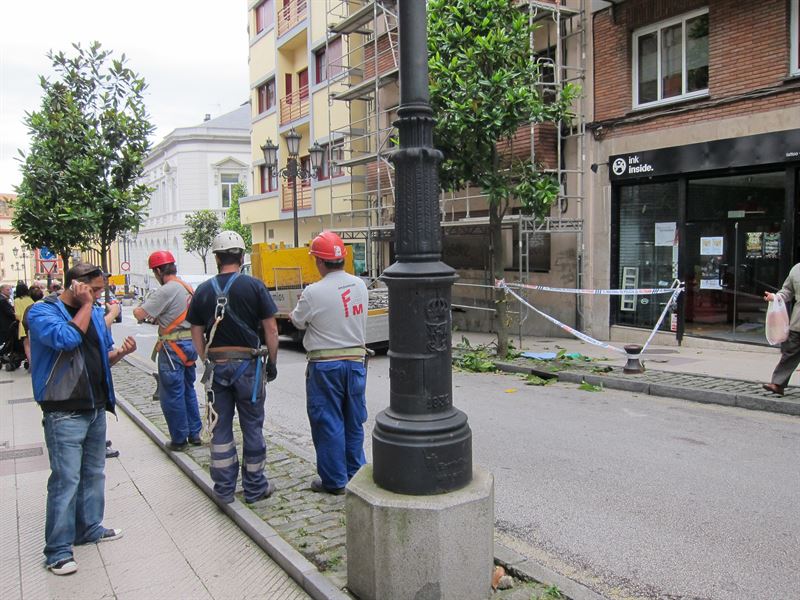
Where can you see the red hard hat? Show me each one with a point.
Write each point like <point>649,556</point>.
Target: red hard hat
<point>328,246</point>
<point>159,258</point>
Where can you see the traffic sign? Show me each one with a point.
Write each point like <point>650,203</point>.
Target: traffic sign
<point>125,266</point>
<point>48,266</point>
<point>46,254</point>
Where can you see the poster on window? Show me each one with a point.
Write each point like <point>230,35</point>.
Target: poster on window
<point>665,234</point>
<point>753,243</point>
<point>711,246</point>
<point>709,273</point>
<point>772,245</point>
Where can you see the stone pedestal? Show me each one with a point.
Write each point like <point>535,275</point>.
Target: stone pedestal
<point>438,547</point>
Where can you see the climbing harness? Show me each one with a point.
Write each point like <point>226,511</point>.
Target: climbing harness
<point>226,353</point>
<point>170,336</point>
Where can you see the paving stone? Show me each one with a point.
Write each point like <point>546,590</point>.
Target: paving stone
<point>294,507</point>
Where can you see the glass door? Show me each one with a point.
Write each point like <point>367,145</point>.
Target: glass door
<point>733,246</point>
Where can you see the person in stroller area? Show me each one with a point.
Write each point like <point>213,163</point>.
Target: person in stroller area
<point>11,351</point>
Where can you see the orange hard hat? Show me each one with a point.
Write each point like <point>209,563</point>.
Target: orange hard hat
<point>328,246</point>
<point>159,258</point>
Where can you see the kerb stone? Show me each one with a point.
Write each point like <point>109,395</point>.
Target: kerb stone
<point>420,547</point>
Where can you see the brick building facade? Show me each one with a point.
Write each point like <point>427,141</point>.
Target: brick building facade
<point>695,145</point>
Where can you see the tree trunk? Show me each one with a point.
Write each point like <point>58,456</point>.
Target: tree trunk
<point>497,255</point>
<point>65,254</point>
<point>205,266</point>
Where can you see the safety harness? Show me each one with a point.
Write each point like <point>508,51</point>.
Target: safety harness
<point>170,336</point>
<point>222,354</point>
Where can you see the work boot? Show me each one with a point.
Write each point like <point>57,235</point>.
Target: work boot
<point>774,388</point>
<point>177,447</point>
<point>316,486</point>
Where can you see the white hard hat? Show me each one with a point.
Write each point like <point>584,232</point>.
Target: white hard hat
<point>227,241</point>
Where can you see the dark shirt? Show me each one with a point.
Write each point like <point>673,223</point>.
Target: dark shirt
<point>7,318</point>
<point>248,299</point>
<point>91,346</point>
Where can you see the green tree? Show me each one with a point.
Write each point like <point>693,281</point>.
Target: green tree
<point>96,109</point>
<point>52,208</point>
<point>483,85</point>
<point>203,226</point>
<point>233,219</point>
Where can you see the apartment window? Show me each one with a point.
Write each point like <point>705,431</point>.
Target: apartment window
<point>328,61</point>
<point>268,178</point>
<point>266,96</point>
<point>334,154</point>
<point>670,60</point>
<point>227,182</point>
<point>265,16</point>
<point>795,34</point>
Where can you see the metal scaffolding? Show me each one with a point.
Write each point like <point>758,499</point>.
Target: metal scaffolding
<point>370,89</point>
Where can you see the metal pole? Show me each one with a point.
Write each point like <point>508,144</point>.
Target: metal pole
<point>422,445</point>
<point>292,172</point>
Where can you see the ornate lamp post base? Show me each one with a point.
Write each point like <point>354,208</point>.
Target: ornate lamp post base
<point>410,547</point>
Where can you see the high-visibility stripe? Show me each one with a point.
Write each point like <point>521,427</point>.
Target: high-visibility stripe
<point>220,448</point>
<point>255,467</point>
<point>223,463</point>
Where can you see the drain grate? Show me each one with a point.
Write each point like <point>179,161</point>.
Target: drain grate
<point>20,453</point>
<point>20,400</point>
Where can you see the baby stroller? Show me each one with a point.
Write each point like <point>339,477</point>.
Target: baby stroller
<point>12,353</point>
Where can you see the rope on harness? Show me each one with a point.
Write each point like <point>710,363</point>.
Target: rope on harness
<point>211,416</point>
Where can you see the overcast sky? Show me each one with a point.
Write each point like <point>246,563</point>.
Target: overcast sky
<point>193,56</point>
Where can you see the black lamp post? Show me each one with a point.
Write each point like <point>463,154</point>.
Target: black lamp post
<point>23,256</point>
<point>421,445</point>
<point>16,268</point>
<point>293,171</point>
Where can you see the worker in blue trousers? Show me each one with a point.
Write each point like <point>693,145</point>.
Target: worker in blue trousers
<point>333,313</point>
<point>232,317</point>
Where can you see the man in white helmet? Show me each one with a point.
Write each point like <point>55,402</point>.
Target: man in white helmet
<point>333,312</point>
<point>232,315</point>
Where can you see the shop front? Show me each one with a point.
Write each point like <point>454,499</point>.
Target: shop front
<point>721,216</point>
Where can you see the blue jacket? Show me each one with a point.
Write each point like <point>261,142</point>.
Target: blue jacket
<point>52,331</point>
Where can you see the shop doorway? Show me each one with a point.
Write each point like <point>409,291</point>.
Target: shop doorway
<point>733,254</point>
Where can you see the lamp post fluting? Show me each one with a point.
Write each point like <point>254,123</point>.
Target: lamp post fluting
<point>293,171</point>
<point>422,445</point>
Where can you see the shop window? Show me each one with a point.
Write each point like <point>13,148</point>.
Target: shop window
<point>266,96</point>
<point>226,182</point>
<point>670,60</point>
<point>268,179</point>
<point>265,16</point>
<point>647,250</point>
<point>795,35</point>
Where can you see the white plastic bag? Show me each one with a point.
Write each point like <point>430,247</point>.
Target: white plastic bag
<point>777,325</point>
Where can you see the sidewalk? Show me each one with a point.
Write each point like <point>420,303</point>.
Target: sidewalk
<point>176,543</point>
<point>730,377</point>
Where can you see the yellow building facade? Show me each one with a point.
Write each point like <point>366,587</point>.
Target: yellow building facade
<point>297,64</point>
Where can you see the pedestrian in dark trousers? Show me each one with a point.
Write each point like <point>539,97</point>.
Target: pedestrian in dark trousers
<point>234,358</point>
<point>790,349</point>
<point>174,352</point>
<point>71,356</point>
<point>333,313</point>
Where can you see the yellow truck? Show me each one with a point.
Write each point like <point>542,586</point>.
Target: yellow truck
<point>286,271</point>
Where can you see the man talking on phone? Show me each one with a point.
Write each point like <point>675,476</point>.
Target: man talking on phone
<point>71,353</point>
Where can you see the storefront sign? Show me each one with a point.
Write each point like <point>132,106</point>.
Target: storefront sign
<point>764,149</point>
